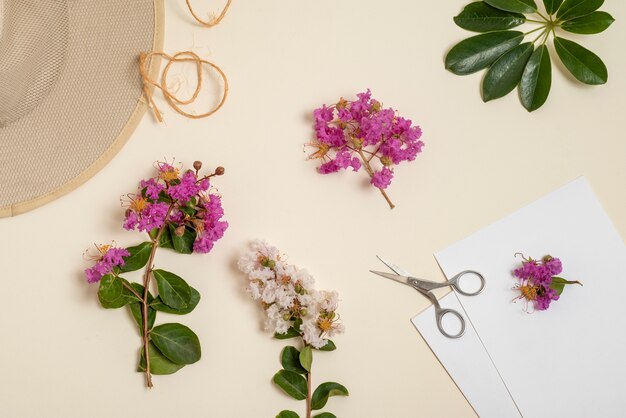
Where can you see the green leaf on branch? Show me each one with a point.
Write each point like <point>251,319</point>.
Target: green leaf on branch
<point>595,22</point>
<point>571,9</point>
<point>287,414</point>
<point>160,306</point>
<point>306,358</point>
<point>290,360</point>
<point>586,66</point>
<point>138,257</point>
<point>480,17</point>
<point>159,364</point>
<point>325,391</point>
<point>330,346</point>
<point>325,415</point>
<point>558,284</point>
<point>515,6</point>
<point>184,243</point>
<point>123,299</point>
<point>292,383</point>
<point>480,51</point>
<point>110,288</point>
<point>173,290</point>
<point>536,80</point>
<point>166,239</point>
<point>177,342</point>
<point>552,5</point>
<point>506,72</point>
<point>292,332</point>
<point>137,311</point>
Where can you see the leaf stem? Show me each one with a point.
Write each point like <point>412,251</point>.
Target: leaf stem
<point>542,16</point>
<point>308,394</point>
<point>545,29</point>
<point>370,171</point>
<point>535,30</point>
<point>146,292</point>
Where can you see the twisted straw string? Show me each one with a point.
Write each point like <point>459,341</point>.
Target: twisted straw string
<point>175,102</point>
<point>213,21</point>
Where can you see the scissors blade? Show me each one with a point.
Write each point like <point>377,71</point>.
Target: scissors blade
<point>397,269</point>
<point>391,276</point>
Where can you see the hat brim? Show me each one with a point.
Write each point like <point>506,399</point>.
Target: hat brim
<point>91,110</point>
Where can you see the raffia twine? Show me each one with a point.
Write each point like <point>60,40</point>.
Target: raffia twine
<point>212,22</point>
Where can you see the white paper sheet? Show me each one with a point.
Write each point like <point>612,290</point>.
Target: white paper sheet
<point>564,362</point>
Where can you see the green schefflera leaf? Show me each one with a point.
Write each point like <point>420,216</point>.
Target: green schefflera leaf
<point>325,391</point>
<point>173,290</point>
<point>177,342</point>
<point>138,257</point>
<point>576,8</point>
<point>287,414</point>
<point>506,72</point>
<point>325,415</point>
<point>290,360</point>
<point>184,243</point>
<point>515,6</point>
<point>480,17</point>
<point>306,358</point>
<point>159,364</point>
<point>595,22</point>
<point>292,383</point>
<point>534,86</point>
<point>586,66</point>
<point>552,5</point>
<point>480,51</point>
<point>160,306</point>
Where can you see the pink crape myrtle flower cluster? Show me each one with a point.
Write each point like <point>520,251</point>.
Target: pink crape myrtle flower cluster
<point>361,133</point>
<point>539,284</point>
<point>107,258</point>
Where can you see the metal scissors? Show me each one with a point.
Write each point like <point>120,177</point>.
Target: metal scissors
<point>425,287</point>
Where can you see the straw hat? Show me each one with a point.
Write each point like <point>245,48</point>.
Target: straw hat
<point>70,91</point>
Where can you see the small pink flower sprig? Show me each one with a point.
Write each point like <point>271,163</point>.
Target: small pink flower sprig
<point>539,284</point>
<point>177,210</point>
<point>351,134</point>
<point>294,309</point>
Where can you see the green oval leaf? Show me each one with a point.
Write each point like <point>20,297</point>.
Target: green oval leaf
<point>177,342</point>
<point>292,383</point>
<point>552,5</point>
<point>138,257</point>
<point>137,311</point>
<point>595,22</point>
<point>586,66</point>
<point>287,414</point>
<point>125,298</point>
<point>166,239</point>
<point>159,364</point>
<point>576,8</point>
<point>480,17</point>
<point>558,284</point>
<point>506,72</point>
<point>330,346</point>
<point>306,358</point>
<point>515,6</point>
<point>110,288</point>
<point>184,243</point>
<point>534,86</point>
<point>325,391</point>
<point>325,415</point>
<point>173,290</point>
<point>480,51</point>
<point>160,306</point>
<point>290,360</point>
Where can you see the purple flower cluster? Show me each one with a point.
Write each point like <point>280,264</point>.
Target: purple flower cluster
<point>536,278</point>
<point>108,258</point>
<point>182,200</point>
<point>352,134</point>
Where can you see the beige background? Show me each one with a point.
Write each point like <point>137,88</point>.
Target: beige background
<point>61,355</point>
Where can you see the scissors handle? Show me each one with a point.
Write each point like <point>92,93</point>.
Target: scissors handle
<point>440,313</point>
<point>454,282</point>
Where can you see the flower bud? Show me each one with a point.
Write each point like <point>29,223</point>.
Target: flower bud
<point>286,317</point>
<point>304,312</point>
<point>376,106</point>
<point>180,231</point>
<point>547,258</point>
<point>386,161</point>
<point>299,289</point>
<point>197,165</point>
<point>342,103</point>
<point>219,171</point>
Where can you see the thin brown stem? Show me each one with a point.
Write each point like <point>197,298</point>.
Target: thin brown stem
<point>308,395</point>
<point>370,171</point>
<point>146,286</point>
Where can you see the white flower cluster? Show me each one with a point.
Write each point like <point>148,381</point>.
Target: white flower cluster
<point>288,296</point>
